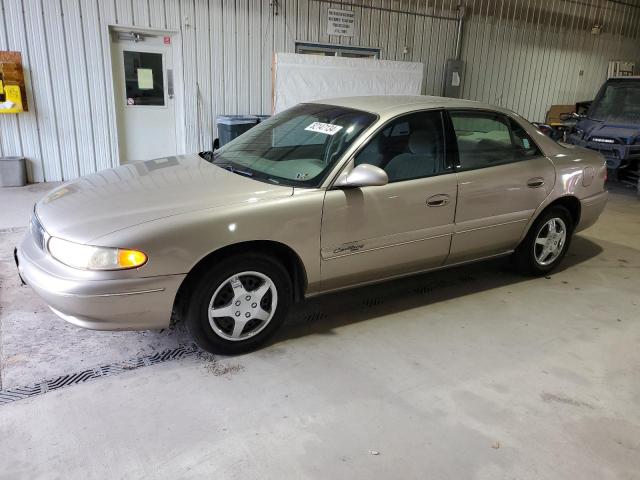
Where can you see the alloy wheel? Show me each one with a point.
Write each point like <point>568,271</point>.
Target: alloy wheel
<point>550,241</point>
<point>242,306</point>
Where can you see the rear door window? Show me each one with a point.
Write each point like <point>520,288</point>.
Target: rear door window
<point>487,139</point>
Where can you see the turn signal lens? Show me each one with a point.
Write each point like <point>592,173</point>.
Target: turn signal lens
<point>131,258</point>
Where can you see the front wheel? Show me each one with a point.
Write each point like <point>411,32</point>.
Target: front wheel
<point>238,304</point>
<point>547,242</point>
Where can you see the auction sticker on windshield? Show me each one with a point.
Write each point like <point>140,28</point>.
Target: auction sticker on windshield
<point>325,128</point>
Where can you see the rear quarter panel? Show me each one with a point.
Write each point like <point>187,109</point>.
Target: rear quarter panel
<point>580,173</point>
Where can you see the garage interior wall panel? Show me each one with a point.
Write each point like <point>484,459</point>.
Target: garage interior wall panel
<point>521,54</point>
<point>527,55</point>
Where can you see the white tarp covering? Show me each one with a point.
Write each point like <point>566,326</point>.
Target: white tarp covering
<point>302,78</point>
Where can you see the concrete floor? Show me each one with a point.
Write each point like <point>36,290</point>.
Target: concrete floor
<point>20,201</point>
<point>474,372</point>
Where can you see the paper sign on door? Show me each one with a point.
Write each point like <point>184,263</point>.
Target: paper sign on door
<point>145,79</point>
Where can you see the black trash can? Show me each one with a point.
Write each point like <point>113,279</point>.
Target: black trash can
<point>231,126</point>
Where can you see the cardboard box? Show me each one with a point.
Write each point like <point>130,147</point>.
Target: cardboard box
<point>554,113</point>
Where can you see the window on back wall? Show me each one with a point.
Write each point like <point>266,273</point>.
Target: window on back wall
<point>336,50</point>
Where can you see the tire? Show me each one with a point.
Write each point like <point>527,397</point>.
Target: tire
<point>242,317</point>
<point>529,255</point>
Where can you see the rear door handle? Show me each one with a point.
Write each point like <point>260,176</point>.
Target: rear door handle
<point>439,200</point>
<point>535,182</point>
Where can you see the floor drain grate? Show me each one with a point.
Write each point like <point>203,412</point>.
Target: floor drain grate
<point>467,278</point>
<point>373,302</point>
<point>315,317</point>
<point>423,289</point>
<point>38,388</point>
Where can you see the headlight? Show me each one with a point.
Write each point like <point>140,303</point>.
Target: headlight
<point>88,257</point>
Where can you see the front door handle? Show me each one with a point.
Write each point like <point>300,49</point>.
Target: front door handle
<point>439,200</point>
<point>535,182</point>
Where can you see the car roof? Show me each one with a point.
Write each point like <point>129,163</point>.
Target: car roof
<point>626,77</point>
<point>382,104</point>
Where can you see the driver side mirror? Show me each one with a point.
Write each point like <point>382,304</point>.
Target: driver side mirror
<point>364,175</point>
<point>216,144</point>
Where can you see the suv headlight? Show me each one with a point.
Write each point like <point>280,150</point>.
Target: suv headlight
<point>88,257</point>
<point>602,140</point>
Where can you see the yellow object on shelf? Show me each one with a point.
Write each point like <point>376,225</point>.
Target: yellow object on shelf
<point>13,95</point>
<point>10,98</point>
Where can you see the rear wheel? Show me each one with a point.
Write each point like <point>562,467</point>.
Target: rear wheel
<point>238,304</point>
<point>547,242</point>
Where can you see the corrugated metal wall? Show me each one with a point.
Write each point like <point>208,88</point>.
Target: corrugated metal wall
<point>527,55</point>
<point>521,54</point>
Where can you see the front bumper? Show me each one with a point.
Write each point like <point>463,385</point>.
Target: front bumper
<point>617,155</point>
<point>98,304</point>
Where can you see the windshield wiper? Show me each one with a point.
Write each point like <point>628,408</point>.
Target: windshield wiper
<point>231,168</point>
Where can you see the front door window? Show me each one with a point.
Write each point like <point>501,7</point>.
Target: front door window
<point>408,148</point>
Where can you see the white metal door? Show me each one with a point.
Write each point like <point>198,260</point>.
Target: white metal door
<point>144,97</point>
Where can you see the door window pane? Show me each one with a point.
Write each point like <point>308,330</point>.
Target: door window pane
<point>409,147</point>
<point>487,139</point>
<point>523,141</point>
<point>143,77</point>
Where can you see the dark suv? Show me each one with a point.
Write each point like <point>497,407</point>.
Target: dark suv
<point>612,127</point>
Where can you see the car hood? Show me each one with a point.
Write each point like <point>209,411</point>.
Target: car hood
<point>117,198</point>
<point>624,132</point>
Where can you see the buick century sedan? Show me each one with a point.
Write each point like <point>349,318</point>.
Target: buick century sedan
<point>324,196</point>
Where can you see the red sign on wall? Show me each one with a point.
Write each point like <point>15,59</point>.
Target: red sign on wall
<point>167,40</point>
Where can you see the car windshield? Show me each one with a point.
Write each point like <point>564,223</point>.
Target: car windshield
<point>297,147</point>
<point>618,102</point>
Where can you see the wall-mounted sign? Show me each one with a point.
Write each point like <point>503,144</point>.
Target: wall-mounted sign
<point>341,22</point>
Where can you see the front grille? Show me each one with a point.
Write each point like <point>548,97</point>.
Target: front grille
<point>37,232</point>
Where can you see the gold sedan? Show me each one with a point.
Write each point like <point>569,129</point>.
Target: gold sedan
<point>324,196</point>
